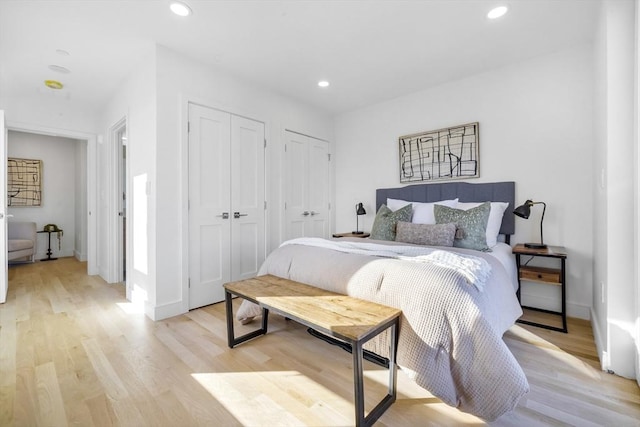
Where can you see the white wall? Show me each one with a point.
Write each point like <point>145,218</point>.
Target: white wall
<point>636,191</point>
<point>601,255</point>
<point>535,129</point>
<point>135,101</point>
<point>180,80</point>
<point>54,112</point>
<point>614,304</point>
<point>58,188</point>
<point>80,177</point>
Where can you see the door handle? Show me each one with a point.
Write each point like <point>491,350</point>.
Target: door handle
<point>238,215</point>
<point>305,213</point>
<point>224,215</point>
<point>314,213</point>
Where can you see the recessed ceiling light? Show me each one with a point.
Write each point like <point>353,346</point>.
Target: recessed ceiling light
<point>59,69</point>
<point>179,8</point>
<point>53,84</point>
<point>497,12</point>
<point>323,83</point>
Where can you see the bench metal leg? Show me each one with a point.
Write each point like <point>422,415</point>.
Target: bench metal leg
<point>231,339</point>
<point>358,380</point>
<point>358,383</point>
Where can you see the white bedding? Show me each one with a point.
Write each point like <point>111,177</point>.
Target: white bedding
<point>451,331</point>
<point>502,252</point>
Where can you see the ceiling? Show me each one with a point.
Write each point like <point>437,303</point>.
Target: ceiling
<point>369,51</point>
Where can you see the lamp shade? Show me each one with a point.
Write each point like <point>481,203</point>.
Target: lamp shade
<point>359,211</point>
<point>523,211</point>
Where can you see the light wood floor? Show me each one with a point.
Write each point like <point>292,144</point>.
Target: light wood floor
<point>74,352</point>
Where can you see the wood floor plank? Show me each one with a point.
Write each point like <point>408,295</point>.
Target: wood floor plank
<point>101,411</point>
<point>72,352</point>
<point>8,339</point>
<point>25,407</point>
<point>109,378</point>
<point>50,403</point>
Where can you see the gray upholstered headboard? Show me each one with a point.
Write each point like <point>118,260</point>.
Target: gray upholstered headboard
<point>464,191</point>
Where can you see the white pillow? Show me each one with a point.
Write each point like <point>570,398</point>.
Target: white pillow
<point>494,222</point>
<point>395,204</point>
<point>422,212</point>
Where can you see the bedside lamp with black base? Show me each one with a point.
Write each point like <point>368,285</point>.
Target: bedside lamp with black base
<point>359,211</point>
<point>523,211</point>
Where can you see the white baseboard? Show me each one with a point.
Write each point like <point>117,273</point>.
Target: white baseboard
<point>55,254</point>
<point>573,310</point>
<point>599,339</point>
<point>80,256</point>
<point>164,311</point>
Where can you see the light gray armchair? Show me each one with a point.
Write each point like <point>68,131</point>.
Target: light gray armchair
<point>22,238</point>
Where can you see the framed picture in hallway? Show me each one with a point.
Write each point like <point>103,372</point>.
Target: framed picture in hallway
<point>24,182</point>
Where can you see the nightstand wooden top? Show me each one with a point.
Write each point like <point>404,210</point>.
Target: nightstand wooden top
<point>550,251</point>
<point>351,234</point>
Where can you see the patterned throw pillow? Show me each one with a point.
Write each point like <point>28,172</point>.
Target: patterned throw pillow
<point>426,234</point>
<point>472,223</point>
<point>384,226</point>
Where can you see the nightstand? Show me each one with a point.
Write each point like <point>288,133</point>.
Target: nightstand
<point>544,275</point>
<point>362,235</point>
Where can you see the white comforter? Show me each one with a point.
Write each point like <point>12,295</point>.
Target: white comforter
<point>451,329</point>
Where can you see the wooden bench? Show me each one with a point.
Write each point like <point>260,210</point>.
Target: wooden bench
<point>351,320</point>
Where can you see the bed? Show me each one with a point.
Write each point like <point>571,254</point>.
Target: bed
<point>456,302</point>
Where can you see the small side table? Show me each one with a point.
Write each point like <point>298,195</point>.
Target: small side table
<point>49,251</point>
<point>361,235</point>
<point>550,276</point>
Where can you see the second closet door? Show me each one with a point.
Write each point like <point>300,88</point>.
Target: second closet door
<point>307,186</point>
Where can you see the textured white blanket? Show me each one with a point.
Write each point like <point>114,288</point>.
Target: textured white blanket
<point>451,333</point>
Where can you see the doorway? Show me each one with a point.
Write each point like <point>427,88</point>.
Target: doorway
<point>88,218</point>
<point>120,145</point>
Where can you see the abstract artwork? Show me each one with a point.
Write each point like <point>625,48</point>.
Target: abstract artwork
<point>24,182</point>
<point>450,153</point>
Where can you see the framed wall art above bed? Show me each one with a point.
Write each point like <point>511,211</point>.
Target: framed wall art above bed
<point>443,154</point>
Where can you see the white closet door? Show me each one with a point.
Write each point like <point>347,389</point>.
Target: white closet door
<point>209,199</point>
<point>297,183</point>
<point>307,183</point>
<point>247,197</point>
<point>318,188</point>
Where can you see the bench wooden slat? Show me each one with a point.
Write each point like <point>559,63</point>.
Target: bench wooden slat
<point>350,317</point>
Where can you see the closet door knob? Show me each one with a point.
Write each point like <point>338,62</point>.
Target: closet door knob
<point>224,215</point>
<point>305,213</point>
<point>238,215</point>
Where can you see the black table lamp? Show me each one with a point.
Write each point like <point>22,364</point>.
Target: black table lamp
<point>359,211</point>
<point>523,211</point>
